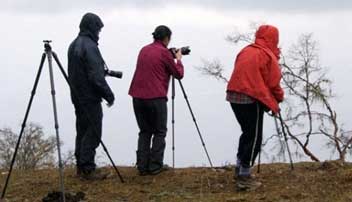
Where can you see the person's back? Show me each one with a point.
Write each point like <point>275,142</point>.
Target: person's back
<point>86,65</point>
<point>78,74</point>
<point>257,73</point>
<point>155,65</point>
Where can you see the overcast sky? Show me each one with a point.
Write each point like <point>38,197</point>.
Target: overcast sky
<point>128,26</point>
<point>270,5</point>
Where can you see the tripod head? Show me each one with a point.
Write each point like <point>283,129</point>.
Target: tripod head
<point>47,46</point>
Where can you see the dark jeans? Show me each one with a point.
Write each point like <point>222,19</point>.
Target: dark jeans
<point>250,118</point>
<point>151,118</point>
<point>88,134</point>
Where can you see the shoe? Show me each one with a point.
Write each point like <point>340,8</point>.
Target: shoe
<point>143,172</point>
<point>78,172</point>
<point>94,175</point>
<point>159,170</point>
<point>237,172</point>
<point>247,183</point>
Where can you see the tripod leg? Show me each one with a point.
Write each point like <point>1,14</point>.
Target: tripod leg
<point>52,85</point>
<point>74,92</point>
<point>112,162</point>
<point>195,122</point>
<point>173,121</point>
<point>23,125</point>
<point>286,140</point>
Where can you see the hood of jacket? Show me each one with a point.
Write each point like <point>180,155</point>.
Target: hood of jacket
<point>90,26</point>
<point>267,36</point>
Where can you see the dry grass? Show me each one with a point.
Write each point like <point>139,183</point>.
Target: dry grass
<point>328,182</point>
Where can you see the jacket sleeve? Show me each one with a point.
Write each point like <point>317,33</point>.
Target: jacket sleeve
<point>96,74</point>
<point>278,92</point>
<point>272,77</point>
<point>175,68</point>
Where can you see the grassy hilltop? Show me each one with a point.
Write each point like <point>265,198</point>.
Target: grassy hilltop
<point>330,182</point>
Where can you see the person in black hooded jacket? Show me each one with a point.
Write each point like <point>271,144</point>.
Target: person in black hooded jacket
<point>86,73</point>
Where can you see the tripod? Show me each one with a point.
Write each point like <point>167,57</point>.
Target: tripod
<point>193,117</point>
<point>48,53</point>
<point>279,132</point>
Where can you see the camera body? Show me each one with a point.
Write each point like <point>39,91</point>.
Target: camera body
<point>116,74</point>
<point>184,50</point>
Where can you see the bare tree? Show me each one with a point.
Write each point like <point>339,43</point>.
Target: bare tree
<point>212,68</point>
<point>69,159</point>
<point>35,150</point>
<point>307,81</point>
<point>7,142</point>
<point>307,112</point>
<point>238,37</point>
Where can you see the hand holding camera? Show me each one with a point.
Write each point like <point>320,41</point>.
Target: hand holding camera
<point>178,54</point>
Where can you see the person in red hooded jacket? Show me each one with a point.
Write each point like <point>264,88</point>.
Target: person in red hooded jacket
<point>254,87</point>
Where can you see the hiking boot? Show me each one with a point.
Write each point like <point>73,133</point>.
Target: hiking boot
<point>143,172</point>
<point>237,172</point>
<point>247,183</point>
<point>78,172</point>
<point>159,170</point>
<point>94,175</point>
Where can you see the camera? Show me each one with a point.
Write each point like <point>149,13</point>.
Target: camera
<point>116,74</point>
<point>108,72</point>
<point>184,50</point>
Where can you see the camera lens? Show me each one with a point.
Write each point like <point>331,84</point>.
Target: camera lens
<point>185,50</point>
<point>116,74</point>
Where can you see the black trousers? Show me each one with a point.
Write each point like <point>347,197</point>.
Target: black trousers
<point>250,118</point>
<point>151,116</point>
<point>89,132</point>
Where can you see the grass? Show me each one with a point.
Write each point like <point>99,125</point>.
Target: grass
<point>330,182</point>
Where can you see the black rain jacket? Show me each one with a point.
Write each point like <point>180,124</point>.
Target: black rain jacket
<point>86,66</point>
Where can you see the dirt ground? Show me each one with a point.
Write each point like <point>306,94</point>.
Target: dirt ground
<point>320,182</point>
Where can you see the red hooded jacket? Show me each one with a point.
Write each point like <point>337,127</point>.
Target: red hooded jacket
<point>257,72</point>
